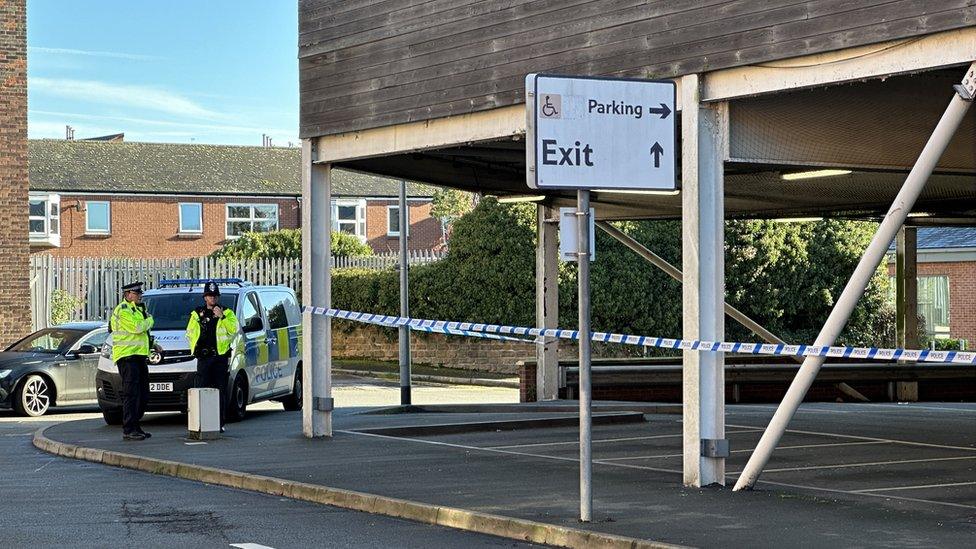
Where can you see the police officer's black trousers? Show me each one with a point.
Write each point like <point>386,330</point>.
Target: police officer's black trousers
<point>135,391</point>
<point>212,372</point>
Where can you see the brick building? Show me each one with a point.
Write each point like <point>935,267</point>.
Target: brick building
<point>14,283</point>
<point>101,198</point>
<point>946,281</point>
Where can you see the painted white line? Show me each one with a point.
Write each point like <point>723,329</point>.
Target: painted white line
<point>856,437</point>
<point>910,406</point>
<point>867,494</point>
<point>499,451</point>
<point>807,409</point>
<point>751,449</point>
<point>250,546</point>
<point>605,440</point>
<point>38,470</point>
<point>194,443</point>
<point>18,434</point>
<point>657,469</point>
<point>866,464</point>
<point>946,485</point>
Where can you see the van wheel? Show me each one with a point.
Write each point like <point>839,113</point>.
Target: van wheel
<point>237,403</point>
<point>293,401</point>
<point>112,417</point>
<point>33,397</point>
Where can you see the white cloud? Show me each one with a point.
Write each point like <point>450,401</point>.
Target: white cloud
<point>91,53</point>
<point>141,97</point>
<point>50,124</point>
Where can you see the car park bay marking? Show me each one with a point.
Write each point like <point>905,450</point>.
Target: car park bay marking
<point>751,449</point>
<point>624,439</point>
<point>675,471</point>
<point>250,546</point>
<point>856,437</point>
<point>922,487</point>
<point>864,464</point>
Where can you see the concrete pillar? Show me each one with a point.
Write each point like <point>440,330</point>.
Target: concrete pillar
<point>704,130</point>
<point>547,300</point>
<point>316,292</point>
<point>906,302</point>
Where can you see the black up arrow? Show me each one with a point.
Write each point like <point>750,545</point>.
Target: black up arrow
<point>664,111</point>
<point>656,151</point>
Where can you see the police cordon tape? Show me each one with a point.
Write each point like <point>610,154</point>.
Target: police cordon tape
<point>505,333</point>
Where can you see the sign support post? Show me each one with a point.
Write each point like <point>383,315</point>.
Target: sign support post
<point>585,396</point>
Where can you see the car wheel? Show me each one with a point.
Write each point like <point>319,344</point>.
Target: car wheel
<point>112,417</point>
<point>33,396</point>
<point>237,403</point>
<point>293,401</point>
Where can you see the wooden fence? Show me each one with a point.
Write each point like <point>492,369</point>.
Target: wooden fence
<point>96,281</point>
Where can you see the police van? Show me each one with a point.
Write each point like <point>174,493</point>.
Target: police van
<point>265,360</point>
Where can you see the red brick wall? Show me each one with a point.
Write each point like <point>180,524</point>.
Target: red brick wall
<point>962,295</point>
<point>435,349</point>
<point>148,226</point>
<point>425,231</point>
<point>14,283</point>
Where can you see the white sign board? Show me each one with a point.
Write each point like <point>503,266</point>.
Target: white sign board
<point>600,133</point>
<point>569,234</point>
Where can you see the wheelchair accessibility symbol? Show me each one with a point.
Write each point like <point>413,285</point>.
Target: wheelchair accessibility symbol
<point>551,106</point>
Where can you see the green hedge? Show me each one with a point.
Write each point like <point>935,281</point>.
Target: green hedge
<point>785,276</point>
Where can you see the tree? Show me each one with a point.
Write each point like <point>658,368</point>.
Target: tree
<point>286,243</point>
<point>448,206</point>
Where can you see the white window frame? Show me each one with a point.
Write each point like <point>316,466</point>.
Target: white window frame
<point>360,221</point>
<point>52,210</point>
<point>390,208</point>
<point>228,219</point>
<point>88,229</point>
<point>179,210</point>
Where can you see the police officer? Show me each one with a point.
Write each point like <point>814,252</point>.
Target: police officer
<point>211,331</point>
<point>130,325</point>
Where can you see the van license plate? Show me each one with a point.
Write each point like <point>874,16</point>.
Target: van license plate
<point>160,387</point>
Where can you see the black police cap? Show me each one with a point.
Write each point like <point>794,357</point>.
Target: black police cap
<point>133,287</point>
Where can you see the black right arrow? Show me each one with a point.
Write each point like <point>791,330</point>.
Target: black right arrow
<point>656,151</point>
<point>664,111</point>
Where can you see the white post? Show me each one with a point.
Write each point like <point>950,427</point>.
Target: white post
<point>703,289</point>
<point>585,396</point>
<point>894,219</point>
<point>316,292</point>
<point>547,301</point>
<point>404,296</point>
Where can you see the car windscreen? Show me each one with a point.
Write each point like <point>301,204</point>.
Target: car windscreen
<point>49,340</point>
<point>172,311</point>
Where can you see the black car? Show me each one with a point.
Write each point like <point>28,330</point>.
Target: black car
<point>51,367</point>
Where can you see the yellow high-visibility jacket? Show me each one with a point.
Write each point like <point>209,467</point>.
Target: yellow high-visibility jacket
<point>227,329</point>
<point>130,331</point>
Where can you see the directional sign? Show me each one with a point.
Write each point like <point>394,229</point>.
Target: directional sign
<point>600,133</point>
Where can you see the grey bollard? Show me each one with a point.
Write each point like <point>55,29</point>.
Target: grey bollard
<point>203,414</point>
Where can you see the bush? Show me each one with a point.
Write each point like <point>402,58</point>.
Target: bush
<point>63,305</point>
<point>950,344</point>
<point>784,276</point>
<point>286,243</point>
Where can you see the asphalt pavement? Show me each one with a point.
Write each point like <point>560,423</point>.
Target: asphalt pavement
<point>49,501</point>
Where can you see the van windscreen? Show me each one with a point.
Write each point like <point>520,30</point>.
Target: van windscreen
<point>172,311</point>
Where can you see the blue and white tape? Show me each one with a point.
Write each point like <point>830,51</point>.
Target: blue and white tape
<point>510,333</point>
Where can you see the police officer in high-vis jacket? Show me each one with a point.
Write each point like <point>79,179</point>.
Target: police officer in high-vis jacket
<point>211,331</point>
<point>130,325</point>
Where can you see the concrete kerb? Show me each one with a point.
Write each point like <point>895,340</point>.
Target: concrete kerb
<point>461,519</point>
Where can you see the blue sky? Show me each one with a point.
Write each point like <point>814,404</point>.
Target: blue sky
<point>213,71</point>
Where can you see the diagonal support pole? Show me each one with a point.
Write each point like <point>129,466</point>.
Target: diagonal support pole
<point>739,316</point>
<point>841,312</point>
